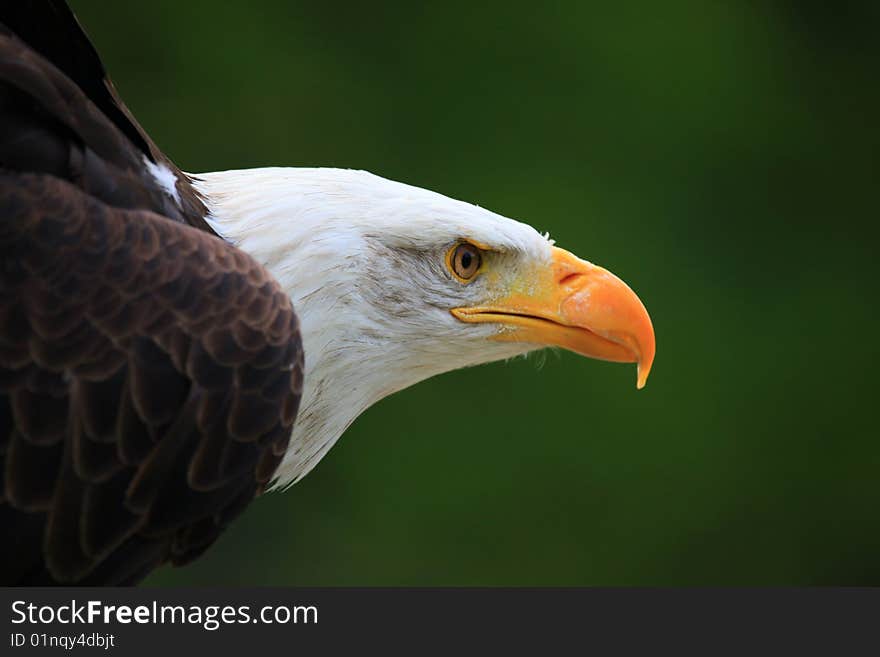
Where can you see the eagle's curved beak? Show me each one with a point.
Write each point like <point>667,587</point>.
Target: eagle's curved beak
<point>575,305</point>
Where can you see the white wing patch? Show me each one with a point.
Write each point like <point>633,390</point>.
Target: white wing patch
<point>165,178</point>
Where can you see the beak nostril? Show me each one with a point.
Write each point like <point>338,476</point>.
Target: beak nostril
<point>568,278</point>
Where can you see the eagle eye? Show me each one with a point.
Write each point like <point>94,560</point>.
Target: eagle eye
<point>464,261</point>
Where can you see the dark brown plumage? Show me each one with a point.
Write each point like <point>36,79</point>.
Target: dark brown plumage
<point>150,373</point>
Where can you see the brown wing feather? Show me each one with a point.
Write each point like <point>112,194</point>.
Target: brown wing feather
<point>152,452</point>
<point>150,373</point>
<point>61,115</point>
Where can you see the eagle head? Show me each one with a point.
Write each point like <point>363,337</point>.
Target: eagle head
<point>394,284</point>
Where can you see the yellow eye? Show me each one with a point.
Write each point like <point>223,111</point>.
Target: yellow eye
<point>465,260</point>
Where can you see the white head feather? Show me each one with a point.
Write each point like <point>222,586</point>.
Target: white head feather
<point>363,259</point>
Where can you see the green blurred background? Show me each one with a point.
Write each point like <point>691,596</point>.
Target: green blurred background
<point>722,158</point>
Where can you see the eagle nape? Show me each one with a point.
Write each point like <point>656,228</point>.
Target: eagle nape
<point>173,345</point>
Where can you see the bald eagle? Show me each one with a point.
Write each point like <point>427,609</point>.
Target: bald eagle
<point>172,345</point>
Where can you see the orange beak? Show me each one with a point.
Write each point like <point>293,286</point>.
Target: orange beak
<point>578,306</point>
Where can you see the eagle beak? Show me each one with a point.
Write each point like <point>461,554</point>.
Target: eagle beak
<point>575,305</point>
